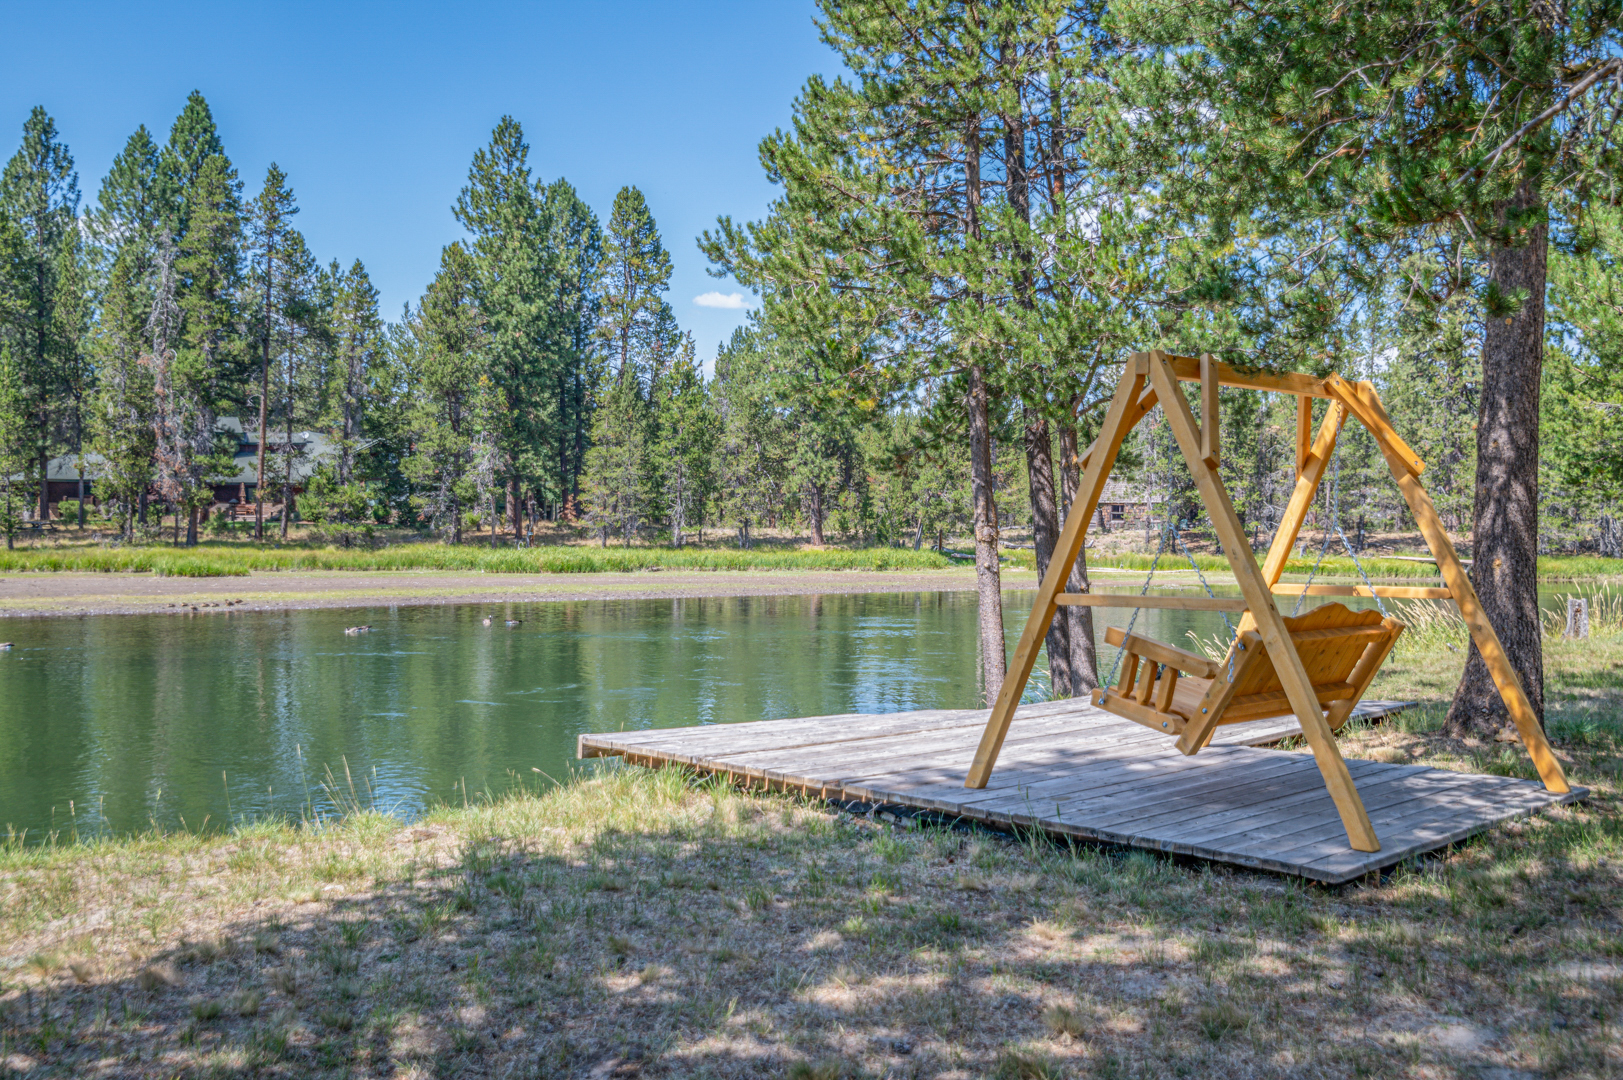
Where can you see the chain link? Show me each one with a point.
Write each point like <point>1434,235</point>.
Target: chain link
<point>1335,523</point>
<point>1110,679</point>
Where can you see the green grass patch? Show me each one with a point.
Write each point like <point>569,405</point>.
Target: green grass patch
<point>229,560</point>
<point>1552,569</point>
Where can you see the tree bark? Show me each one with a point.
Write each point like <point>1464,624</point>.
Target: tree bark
<point>816,495</point>
<point>988,579</point>
<point>1504,521</point>
<point>1044,535</point>
<point>191,528</point>
<point>1084,660</point>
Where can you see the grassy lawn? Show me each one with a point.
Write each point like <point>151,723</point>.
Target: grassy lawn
<point>642,923</point>
<point>227,559</point>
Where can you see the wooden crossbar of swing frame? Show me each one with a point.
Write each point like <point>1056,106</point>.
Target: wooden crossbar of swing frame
<point>1365,403</point>
<point>1237,603</point>
<point>1148,377</point>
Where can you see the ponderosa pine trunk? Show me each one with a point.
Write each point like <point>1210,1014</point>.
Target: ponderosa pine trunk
<point>816,495</point>
<point>1044,535</point>
<point>1504,520</point>
<point>1084,661</point>
<point>988,578</point>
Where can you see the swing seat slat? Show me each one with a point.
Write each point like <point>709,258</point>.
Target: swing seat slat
<point>1167,688</point>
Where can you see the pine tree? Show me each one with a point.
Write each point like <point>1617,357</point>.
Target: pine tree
<point>751,472</point>
<point>129,208</point>
<point>882,231</point>
<point>272,250</point>
<point>357,379</point>
<point>577,243</point>
<point>72,316</point>
<point>618,460</point>
<point>121,424</point>
<point>39,193</point>
<point>686,441</point>
<point>509,219</point>
<point>193,139</point>
<point>16,448</point>
<point>1581,438</point>
<point>1354,116</point>
<point>357,332</point>
<point>187,451</point>
<point>451,395</point>
<point>623,481</point>
<point>633,278</point>
<point>303,343</point>
<point>208,356</point>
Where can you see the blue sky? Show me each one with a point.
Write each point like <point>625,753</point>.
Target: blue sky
<point>374,110</point>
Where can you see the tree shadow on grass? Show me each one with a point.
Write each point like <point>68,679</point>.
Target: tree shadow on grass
<point>777,939</point>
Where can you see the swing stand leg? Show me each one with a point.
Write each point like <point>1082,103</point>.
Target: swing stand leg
<point>1270,625</point>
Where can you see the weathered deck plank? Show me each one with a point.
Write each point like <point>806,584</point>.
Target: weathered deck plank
<point>1070,768</point>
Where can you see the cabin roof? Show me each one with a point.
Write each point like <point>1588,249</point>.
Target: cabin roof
<point>314,448</point>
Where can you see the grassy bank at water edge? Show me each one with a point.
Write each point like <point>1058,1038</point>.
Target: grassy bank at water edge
<point>1552,569</point>
<point>229,559</point>
<point>639,923</point>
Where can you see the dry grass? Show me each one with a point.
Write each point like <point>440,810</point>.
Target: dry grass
<point>642,923</point>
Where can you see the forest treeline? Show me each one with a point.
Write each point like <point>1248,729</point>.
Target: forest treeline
<point>542,374</point>
<point>988,209</point>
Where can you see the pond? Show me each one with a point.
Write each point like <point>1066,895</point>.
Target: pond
<point>117,723</point>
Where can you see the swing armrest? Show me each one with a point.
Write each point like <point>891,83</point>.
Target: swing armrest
<point>1155,651</point>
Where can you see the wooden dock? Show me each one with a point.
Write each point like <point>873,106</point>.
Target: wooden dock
<point>1072,769</point>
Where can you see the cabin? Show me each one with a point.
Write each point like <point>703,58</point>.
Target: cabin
<point>1123,503</point>
<point>237,488</point>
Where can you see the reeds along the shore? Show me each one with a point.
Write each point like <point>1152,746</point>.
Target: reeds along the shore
<point>229,561</point>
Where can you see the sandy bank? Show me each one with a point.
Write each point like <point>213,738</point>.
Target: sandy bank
<point>30,594</point>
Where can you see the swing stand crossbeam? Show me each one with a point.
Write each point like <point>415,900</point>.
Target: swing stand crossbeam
<point>1316,666</point>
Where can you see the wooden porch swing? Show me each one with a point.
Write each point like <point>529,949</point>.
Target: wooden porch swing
<point>1316,665</point>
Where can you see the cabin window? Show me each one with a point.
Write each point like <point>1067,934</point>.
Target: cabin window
<point>1117,512</point>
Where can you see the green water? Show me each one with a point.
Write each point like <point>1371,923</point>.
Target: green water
<point>111,724</point>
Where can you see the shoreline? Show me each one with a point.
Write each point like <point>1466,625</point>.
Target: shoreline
<point>47,594</point>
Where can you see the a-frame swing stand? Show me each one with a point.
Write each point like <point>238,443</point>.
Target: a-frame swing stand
<point>1151,378</point>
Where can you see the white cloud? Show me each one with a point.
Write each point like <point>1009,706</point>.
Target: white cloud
<point>730,301</point>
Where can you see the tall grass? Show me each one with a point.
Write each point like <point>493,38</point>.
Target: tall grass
<point>1552,569</point>
<point>228,560</point>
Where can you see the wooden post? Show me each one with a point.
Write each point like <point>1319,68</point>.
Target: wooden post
<point>1210,433</point>
<point>1304,432</point>
<point>1101,459</point>
<point>1293,678</point>
<point>1577,618</point>
<point>1459,583</point>
<point>1243,655</point>
<point>1308,475</point>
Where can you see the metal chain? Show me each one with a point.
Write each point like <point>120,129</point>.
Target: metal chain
<point>1335,482</point>
<point>1335,518</point>
<point>1234,631</point>
<point>1335,523</point>
<point>1110,679</point>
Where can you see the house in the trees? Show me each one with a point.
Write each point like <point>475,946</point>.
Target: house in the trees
<point>311,449</point>
<point>1124,504</point>
<point>239,486</point>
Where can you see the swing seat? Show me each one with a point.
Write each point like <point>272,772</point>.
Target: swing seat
<point>1179,693</point>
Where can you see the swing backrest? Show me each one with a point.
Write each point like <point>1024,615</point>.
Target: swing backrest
<point>1165,687</point>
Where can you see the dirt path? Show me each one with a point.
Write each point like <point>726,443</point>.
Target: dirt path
<point>129,594</point>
